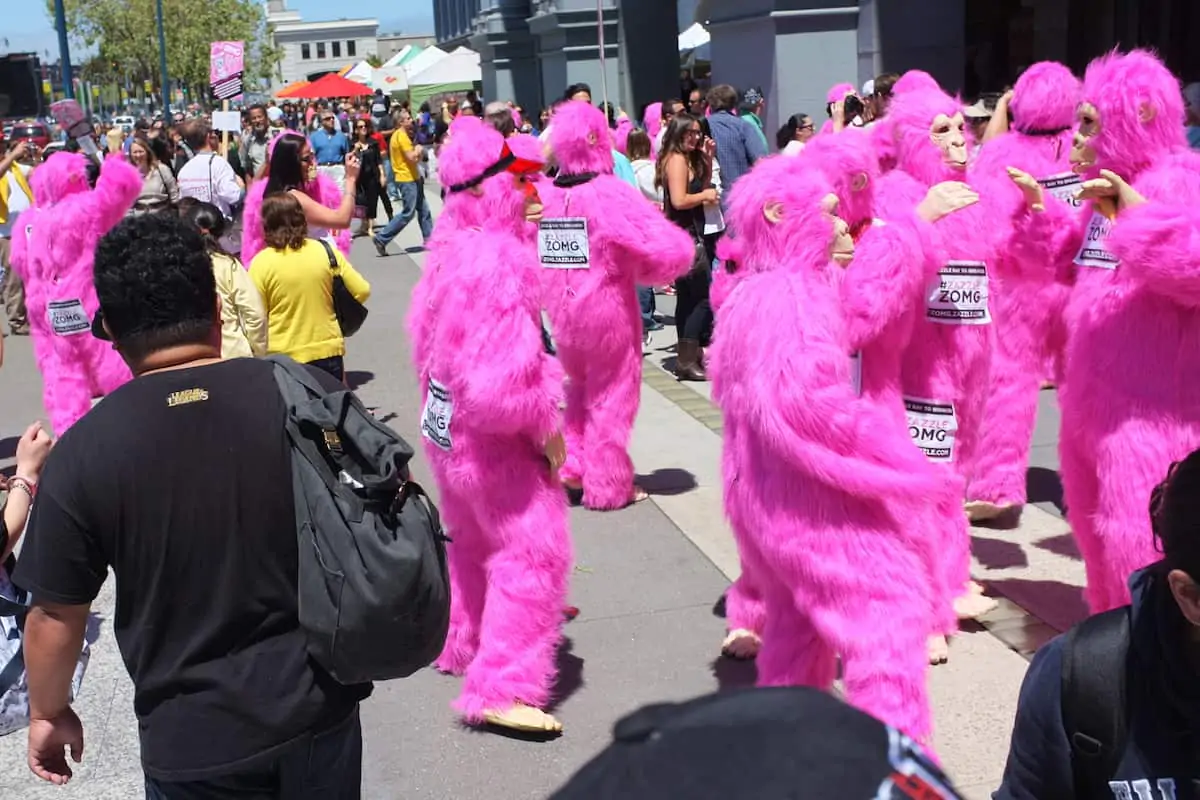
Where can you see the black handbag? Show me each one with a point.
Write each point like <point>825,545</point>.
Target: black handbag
<point>350,313</point>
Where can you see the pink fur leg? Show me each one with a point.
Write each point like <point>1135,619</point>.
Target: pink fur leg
<point>468,583</point>
<point>527,579</point>
<point>792,652</point>
<point>1081,495</point>
<point>613,392</point>
<point>999,476</point>
<point>574,415</point>
<point>744,606</point>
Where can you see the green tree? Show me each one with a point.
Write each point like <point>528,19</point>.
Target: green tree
<point>374,60</point>
<point>125,36</point>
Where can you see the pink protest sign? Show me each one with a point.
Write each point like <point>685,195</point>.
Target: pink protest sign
<point>226,59</point>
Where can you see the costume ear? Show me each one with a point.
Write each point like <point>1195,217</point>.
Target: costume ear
<point>592,139</point>
<point>773,211</point>
<point>860,182</point>
<point>1146,113</point>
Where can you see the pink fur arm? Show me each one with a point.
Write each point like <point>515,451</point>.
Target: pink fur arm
<point>329,195</point>
<point>1050,238</point>
<point>18,257</point>
<point>1159,246</point>
<point>883,280</point>
<point>658,250</point>
<point>117,187</point>
<point>252,229</point>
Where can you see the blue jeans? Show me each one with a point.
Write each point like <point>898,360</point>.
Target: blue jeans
<point>325,766</point>
<point>412,195</point>
<point>646,301</point>
<point>390,174</point>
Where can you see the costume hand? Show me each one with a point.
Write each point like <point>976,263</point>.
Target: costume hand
<point>48,740</point>
<point>1127,196</point>
<point>556,451</point>
<point>352,166</point>
<point>946,198</point>
<point>1035,198</point>
<point>32,450</point>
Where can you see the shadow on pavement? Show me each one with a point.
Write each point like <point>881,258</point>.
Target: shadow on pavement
<point>998,553</point>
<point>667,482</point>
<point>719,606</point>
<point>1063,545</point>
<point>734,674</point>
<point>8,447</point>
<point>1059,605</point>
<point>1043,486</point>
<point>356,378</point>
<point>570,675</point>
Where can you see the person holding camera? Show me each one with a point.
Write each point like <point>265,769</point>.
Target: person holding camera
<point>15,197</point>
<point>739,145</point>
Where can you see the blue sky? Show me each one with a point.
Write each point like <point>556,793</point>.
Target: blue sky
<point>27,28</point>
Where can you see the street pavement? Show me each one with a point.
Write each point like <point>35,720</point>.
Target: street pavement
<point>648,583</point>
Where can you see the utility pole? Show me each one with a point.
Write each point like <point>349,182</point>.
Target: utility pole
<point>64,50</point>
<point>165,88</point>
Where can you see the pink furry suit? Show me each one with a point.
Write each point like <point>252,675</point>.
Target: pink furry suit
<point>488,415</point>
<point>620,241</point>
<point>1131,393</point>
<point>1029,302</point>
<point>322,188</point>
<point>945,367</point>
<point>809,468</point>
<point>879,294</point>
<point>836,94</point>
<point>53,253</point>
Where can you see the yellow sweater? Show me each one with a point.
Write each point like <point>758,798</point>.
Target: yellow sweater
<point>243,321</point>
<point>297,291</point>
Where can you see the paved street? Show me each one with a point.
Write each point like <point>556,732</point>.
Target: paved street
<point>648,583</point>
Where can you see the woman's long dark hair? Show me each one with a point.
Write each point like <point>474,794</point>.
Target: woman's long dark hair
<point>1175,516</point>
<point>284,169</point>
<point>208,220</point>
<point>673,143</point>
<point>788,132</point>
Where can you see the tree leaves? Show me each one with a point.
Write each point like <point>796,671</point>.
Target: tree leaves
<point>125,35</point>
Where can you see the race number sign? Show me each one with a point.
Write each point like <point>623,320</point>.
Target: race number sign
<point>563,243</point>
<point>932,427</point>
<point>1094,250</point>
<point>435,419</point>
<point>226,63</point>
<point>960,295</point>
<point>67,317</point>
<point>1064,186</point>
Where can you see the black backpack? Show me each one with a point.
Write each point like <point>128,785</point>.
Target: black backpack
<point>374,593</point>
<point>1094,698</point>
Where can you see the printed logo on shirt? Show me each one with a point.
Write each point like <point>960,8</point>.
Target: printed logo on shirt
<point>436,416</point>
<point>914,776</point>
<point>1143,789</point>
<point>1064,186</point>
<point>960,295</point>
<point>1094,251</point>
<point>67,317</point>
<point>185,396</point>
<point>563,243</point>
<point>932,425</point>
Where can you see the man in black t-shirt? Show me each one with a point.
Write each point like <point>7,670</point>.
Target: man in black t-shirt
<point>180,482</point>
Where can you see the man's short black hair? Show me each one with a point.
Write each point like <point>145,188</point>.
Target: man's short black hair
<point>576,88</point>
<point>155,284</point>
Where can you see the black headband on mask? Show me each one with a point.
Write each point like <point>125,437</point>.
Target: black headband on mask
<point>1045,131</point>
<point>567,181</point>
<point>507,159</point>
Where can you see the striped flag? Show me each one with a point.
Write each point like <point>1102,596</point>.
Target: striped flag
<point>227,88</point>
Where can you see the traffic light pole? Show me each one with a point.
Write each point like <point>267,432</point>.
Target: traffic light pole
<point>64,50</point>
<point>165,88</point>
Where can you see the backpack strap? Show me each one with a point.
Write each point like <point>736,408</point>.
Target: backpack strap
<point>297,386</point>
<point>333,263</point>
<point>1094,698</point>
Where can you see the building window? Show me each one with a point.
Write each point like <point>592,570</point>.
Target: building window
<point>337,49</point>
<point>320,49</point>
<point>351,49</point>
<point>305,52</point>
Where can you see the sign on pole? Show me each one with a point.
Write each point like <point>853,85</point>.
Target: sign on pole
<point>226,64</point>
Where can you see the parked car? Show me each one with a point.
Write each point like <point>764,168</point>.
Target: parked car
<point>34,132</point>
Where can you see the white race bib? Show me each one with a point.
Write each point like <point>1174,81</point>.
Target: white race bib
<point>435,419</point>
<point>932,427</point>
<point>1094,251</point>
<point>960,296</point>
<point>856,372</point>
<point>563,243</point>
<point>1064,186</point>
<point>67,317</point>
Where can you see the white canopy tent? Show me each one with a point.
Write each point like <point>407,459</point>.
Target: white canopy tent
<point>360,73</point>
<point>397,59</point>
<point>456,68</point>
<point>426,59</point>
<point>694,37</point>
<point>389,79</point>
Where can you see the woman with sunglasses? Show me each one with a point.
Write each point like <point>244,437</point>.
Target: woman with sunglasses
<point>292,167</point>
<point>371,178</point>
<point>794,134</point>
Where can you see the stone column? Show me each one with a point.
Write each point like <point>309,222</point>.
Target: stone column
<point>508,54</point>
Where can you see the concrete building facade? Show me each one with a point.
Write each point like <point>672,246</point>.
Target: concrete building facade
<point>531,50</point>
<point>311,49</point>
<point>388,44</point>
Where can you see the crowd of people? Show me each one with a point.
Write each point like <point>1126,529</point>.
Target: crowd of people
<point>877,306</point>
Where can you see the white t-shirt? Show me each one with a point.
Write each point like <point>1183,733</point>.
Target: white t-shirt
<point>209,178</point>
<point>643,170</point>
<point>793,148</point>
<point>17,201</point>
<point>714,220</point>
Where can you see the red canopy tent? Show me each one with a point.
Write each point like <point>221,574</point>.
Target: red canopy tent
<point>331,85</point>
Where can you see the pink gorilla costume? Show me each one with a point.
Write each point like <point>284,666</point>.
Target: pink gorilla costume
<point>835,95</point>
<point>1029,302</point>
<point>808,468</point>
<point>488,416</point>
<point>1131,393</point>
<point>53,256</point>
<point>945,367</point>
<point>593,305</point>
<point>323,189</point>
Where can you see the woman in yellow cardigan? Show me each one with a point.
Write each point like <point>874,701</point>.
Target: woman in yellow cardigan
<point>294,276</point>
